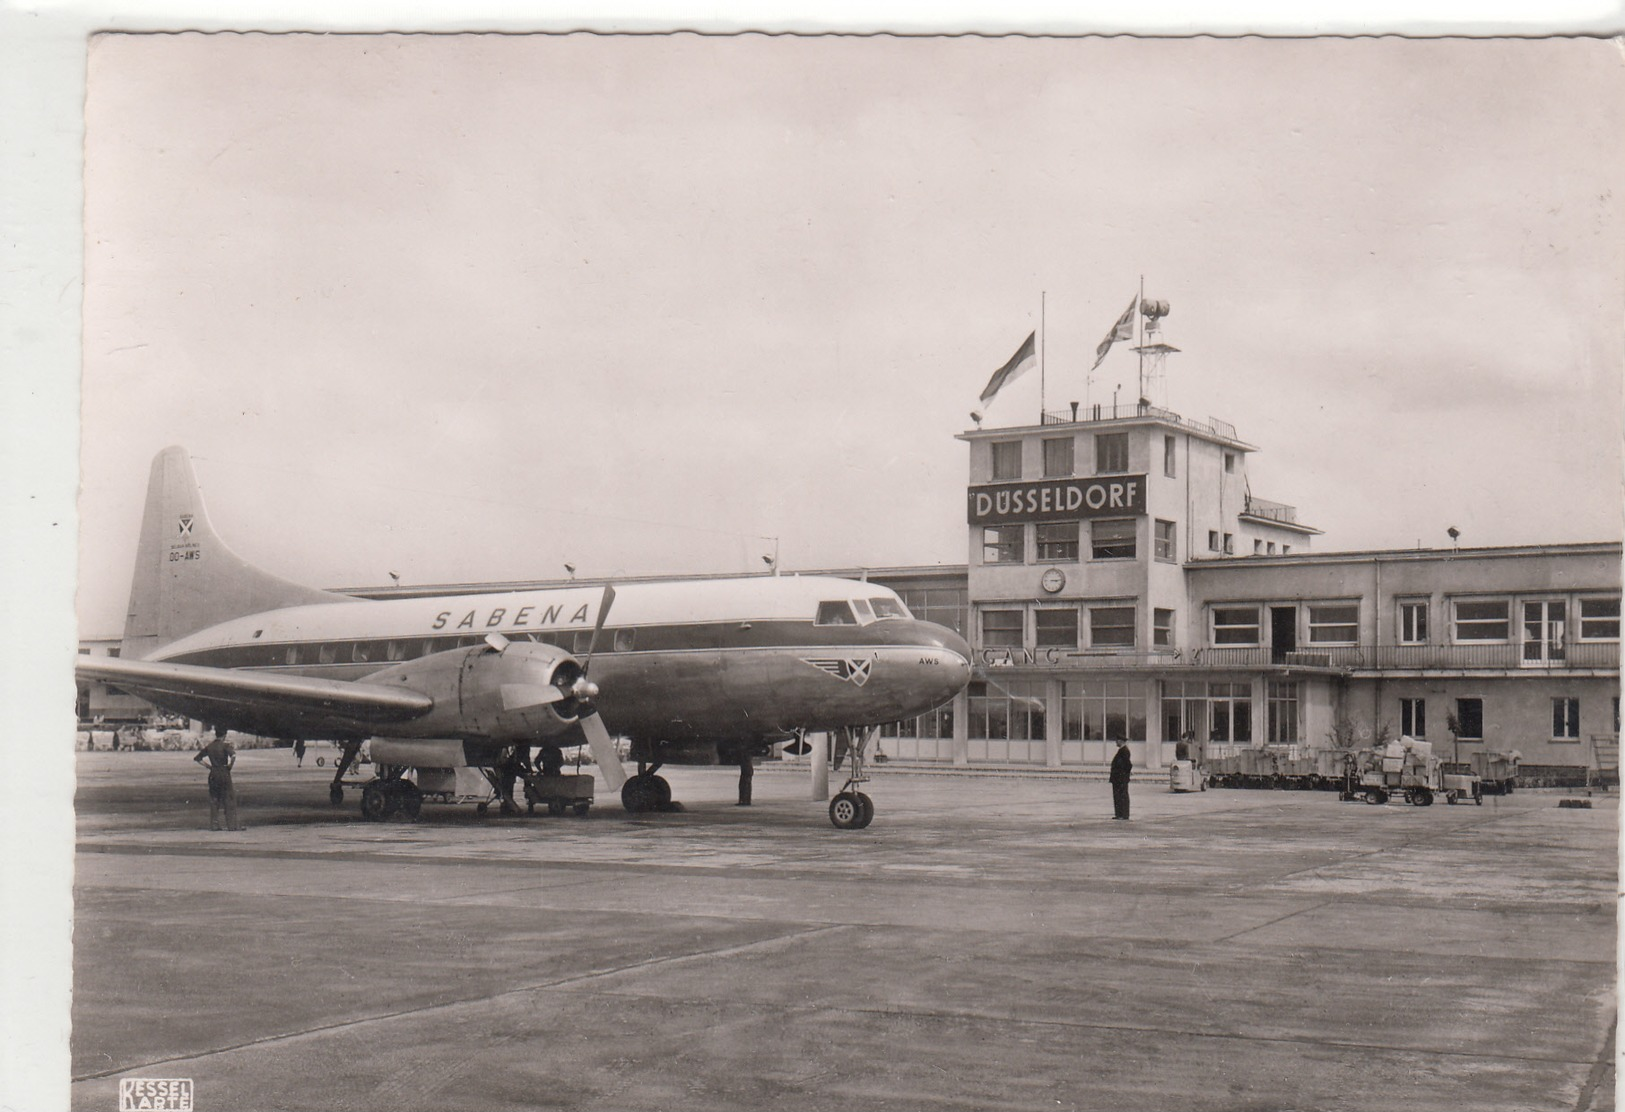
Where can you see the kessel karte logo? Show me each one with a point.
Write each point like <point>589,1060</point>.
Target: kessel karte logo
<point>186,525</point>
<point>855,672</point>
<point>155,1094</point>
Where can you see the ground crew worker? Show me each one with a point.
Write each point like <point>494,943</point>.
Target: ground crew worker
<point>1122,764</point>
<point>746,771</point>
<point>299,751</point>
<point>221,756</point>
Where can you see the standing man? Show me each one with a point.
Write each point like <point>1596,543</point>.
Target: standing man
<point>1122,764</point>
<point>746,771</point>
<point>221,756</point>
<point>299,751</point>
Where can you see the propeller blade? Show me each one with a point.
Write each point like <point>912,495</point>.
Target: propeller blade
<point>603,750</point>
<point>520,696</point>
<point>603,613</point>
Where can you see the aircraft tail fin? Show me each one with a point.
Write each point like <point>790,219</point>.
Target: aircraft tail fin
<point>186,579</point>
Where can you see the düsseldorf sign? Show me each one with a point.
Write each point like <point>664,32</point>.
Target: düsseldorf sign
<point>1057,500</point>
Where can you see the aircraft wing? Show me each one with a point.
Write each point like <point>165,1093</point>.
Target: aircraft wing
<point>267,702</point>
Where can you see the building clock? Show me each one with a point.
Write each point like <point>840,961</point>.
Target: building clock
<point>1053,580</point>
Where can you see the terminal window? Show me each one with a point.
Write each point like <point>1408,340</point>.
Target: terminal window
<point>1470,719</point>
<point>1006,460</point>
<point>1565,719</point>
<point>1057,628</point>
<point>1282,708</point>
<point>1169,459</point>
<point>1001,629</point>
<point>1334,623</point>
<point>1235,625</point>
<point>1213,540</point>
<point>1111,627</point>
<point>1058,541</point>
<point>1166,543</point>
<point>1113,539</point>
<point>1003,544</point>
<point>1162,628</point>
<point>1058,457</point>
<point>1413,623</point>
<point>1413,717</point>
<point>1481,620</point>
<point>1599,619</point>
<point>1111,453</point>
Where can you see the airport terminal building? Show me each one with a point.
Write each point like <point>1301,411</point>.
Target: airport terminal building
<point>1123,582</point>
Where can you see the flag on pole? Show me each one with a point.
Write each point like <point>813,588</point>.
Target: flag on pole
<point>1020,362</point>
<point>1122,330</point>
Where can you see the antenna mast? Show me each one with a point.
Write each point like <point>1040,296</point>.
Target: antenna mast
<point>1153,386</point>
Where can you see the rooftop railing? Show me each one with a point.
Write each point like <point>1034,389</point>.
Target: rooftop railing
<point>1089,413</point>
<point>1272,511</point>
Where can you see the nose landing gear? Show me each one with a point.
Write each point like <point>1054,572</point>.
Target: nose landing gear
<point>851,809</point>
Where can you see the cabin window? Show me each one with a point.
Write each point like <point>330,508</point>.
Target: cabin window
<point>888,608</point>
<point>624,639</point>
<point>328,653</point>
<point>360,652</point>
<point>837,612</point>
<point>395,650</point>
<point>291,655</point>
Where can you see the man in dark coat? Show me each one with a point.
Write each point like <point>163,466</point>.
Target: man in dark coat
<point>1122,764</point>
<point>221,755</point>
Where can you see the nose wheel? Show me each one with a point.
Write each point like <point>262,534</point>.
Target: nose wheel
<point>851,809</point>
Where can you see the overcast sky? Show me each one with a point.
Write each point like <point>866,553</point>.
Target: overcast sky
<point>470,307</point>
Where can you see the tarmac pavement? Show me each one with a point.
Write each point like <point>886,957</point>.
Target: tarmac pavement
<point>988,943</point>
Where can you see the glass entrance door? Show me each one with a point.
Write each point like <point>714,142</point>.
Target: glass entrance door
<point>1544,632</point>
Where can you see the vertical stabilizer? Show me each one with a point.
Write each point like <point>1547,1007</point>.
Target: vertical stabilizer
<point>186,579</point>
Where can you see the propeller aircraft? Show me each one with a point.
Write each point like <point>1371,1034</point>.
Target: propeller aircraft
<point>696,671</point>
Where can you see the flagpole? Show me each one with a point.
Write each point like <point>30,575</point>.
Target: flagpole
<point>1141,345</point>
<point>1041,296</point>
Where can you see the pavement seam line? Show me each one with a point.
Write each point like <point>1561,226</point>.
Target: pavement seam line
<point>1272,922</point>
<point>426,1009</point>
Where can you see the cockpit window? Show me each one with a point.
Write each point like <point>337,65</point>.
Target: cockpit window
<point>889,608</point>
<point>835,613</point>
<point>865,615</point>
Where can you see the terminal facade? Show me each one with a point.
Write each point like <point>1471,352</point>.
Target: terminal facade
<point>1123,582</point>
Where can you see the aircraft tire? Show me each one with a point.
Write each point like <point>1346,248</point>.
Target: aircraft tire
<point>637,796</point>
<point>375,803</point>
<point>846,811</point>
<point>868,810</point>
<point>407,800</point>
<point>662,791</point>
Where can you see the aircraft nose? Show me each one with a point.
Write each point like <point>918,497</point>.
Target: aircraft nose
<point>950,642</point>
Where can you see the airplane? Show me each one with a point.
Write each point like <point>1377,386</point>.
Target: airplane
<point>690,671</point>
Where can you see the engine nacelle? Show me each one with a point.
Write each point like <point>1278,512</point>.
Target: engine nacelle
<point>518,692</point>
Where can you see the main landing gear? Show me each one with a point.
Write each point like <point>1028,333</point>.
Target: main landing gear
<point>851,809</point>
<point>647,792</point>
<point>391,796</point>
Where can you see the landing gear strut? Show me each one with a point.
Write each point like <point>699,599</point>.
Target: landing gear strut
<point>851,809</point>
<point>335,791</point>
